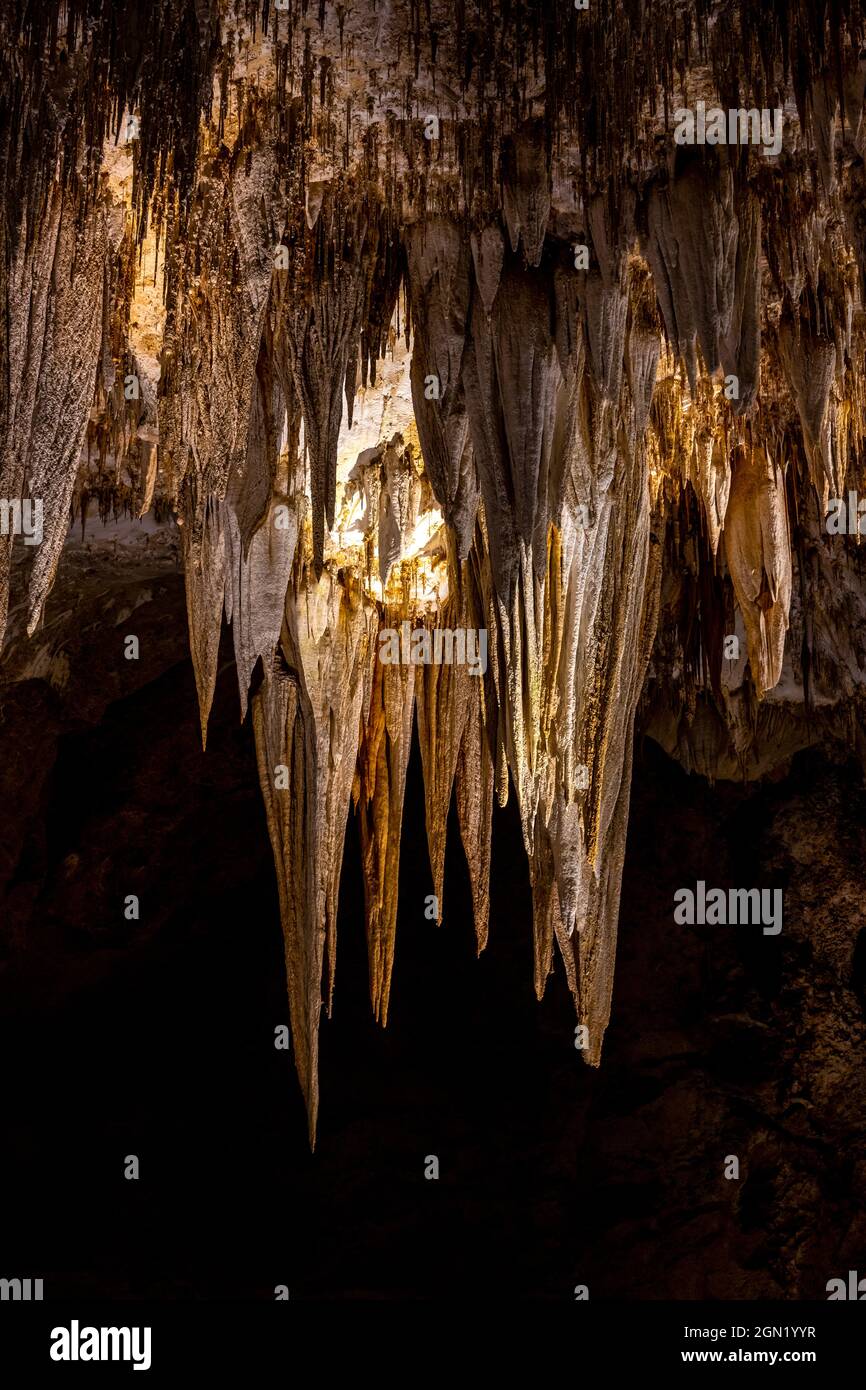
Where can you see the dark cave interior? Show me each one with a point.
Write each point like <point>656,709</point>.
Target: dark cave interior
<point>156,1038</point>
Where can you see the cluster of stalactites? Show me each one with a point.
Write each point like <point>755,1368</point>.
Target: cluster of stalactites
<point>546,441</point>
<point>709,339</point>
<point>543,442</point>
<point>354,88</point>
<point>534,443</point>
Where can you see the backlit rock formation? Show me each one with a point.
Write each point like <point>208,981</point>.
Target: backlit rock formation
<point>421,314</point>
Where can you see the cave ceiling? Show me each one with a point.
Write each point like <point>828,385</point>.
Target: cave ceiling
<point>442,314</point>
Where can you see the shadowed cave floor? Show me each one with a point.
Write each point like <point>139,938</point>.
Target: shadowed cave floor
<point>155,1038</point>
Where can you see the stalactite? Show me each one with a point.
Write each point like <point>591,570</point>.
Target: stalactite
<point>625,605</point>
<point>380,784</point>
<point>443,694</point>
<point>256,582</point>
<point>511,377</point>
<point>604,294</point>
<point>758,553</point>
<point>207,392</point>
<point>320,334</point>
<point>809,361</point>
<point>204,563</point>
<point>474,781</point>
<point>526,190</point>
<point>439,281</point>
<point>55,305</point>
<point>692,250</point>
<point>306,718</point>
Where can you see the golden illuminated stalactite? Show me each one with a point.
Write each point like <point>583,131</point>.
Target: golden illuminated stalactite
<point>126,434</point>
<point>758,551</point>
<point>443,695</point>
<point>320,332</point>
<point>711,477</point>
<point>622,624</point>
<point>204,563</point>
<point>473,782</point>
<point>380,785</point>
<point>703,435</point>
<point>307,719</point>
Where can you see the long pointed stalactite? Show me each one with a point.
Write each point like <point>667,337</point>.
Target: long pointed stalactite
<point>424,319</point>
